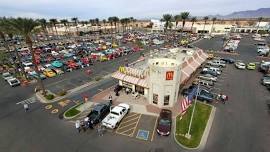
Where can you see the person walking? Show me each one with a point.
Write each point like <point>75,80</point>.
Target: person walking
<point>78,126</point>
<point>110,99</point>
<point>26,107</point>
<point>100,130</point>
<point>86,123</point>
<point>224,98</point>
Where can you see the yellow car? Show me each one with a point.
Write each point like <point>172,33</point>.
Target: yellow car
<point>251,66</point>
<point>49,73</point>
<point>184,42</point>
<point>103,58</point>
<point>210,56</point>
<point>114,45</point>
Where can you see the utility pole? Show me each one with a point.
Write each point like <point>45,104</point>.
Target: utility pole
<point>188,135</point>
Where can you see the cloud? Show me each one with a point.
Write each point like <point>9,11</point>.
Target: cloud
<point>86,9</point>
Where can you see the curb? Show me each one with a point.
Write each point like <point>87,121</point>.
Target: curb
<point>69,92</point>
<point>69,118</point>
<point>205,133</point>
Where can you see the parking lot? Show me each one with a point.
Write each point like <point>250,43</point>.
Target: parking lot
<point>138,126</point>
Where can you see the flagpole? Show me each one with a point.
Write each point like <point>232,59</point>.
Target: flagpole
<point>191,119</point>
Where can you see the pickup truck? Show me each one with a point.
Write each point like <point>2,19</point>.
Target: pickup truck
<point>116,114</point>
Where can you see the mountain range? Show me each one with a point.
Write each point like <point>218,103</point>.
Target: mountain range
<point>262,12</point>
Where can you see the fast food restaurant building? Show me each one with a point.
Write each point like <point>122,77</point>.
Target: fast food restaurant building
<point>159,77</point>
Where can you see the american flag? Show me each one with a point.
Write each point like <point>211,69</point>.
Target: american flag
<point>186,102</point>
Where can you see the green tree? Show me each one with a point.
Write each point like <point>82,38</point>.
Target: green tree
<point>26,27</point>
<point>44,24</point>
<point>177,18</point>
<point>184,17</point>
<point>213,23</point>
<point>115,21</point>
<point>193,20</point>
<point>75,20</point>
<point>167,18</point>
<point>205,20</point>
<point>53,22</point>
<point>259,22</point>
<point>104,24</point>
<point>65,23</point>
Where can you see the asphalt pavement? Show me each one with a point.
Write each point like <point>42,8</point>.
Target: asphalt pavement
<point>241,125</point>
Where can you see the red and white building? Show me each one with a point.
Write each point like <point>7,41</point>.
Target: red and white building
<point>158,78</point>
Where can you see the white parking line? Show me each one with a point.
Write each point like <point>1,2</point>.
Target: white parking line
<point>51,84</point>
<point>28,101</point>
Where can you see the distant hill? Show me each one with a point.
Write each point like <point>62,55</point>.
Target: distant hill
<point>262,12</point>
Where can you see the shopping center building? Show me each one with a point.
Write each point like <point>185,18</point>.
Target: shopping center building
<point>159,77</point>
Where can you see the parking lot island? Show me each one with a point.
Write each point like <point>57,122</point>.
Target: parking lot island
<point>202,121</point>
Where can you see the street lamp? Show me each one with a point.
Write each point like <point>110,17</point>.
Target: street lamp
<point>188,135</point>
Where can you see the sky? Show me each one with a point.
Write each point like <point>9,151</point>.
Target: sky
<point>139,9</point>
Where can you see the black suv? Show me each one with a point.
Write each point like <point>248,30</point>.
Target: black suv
<point>99,112</point>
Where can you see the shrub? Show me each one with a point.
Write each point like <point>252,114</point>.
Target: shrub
<point>49,96</point>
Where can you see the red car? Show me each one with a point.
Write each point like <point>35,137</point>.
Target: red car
<point>164,122</point>
<point>72,64</point>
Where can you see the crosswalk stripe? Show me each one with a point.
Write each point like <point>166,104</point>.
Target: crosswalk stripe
<point>28,101</point>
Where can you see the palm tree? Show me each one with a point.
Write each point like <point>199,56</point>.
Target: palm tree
<point>167,18</point>
<point>177,18</point>
<point>259,20</point>
<point>43,23</point>
<point>132,20</point>
<point>25,27</point>
<point>65,22</point>
<point>122,21</point>
<point>205,20</point>
<point>54,21</point>
<point>213,22</point>
<point>184,17</point>
<point>75,20</point>
<point>104,24</point>
<point>115,21</point>
<point>193,20</point>
<point>110,20</point>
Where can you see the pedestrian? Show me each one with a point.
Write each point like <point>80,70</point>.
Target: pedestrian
<point>99,130</point>
<point>26,107</point>
<point>78,126</point>
<point>90,124</point>
<point>86,122</point>
<point>110,99</point>
<point>223,98</point>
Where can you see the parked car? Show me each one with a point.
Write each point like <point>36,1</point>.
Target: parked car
<point>13,82</point>
<point>33,74</point>
<point>49,73</point>
<point>205,95</point>
<point>57,71</point>
<point>113,119</point>
<point>265,80</point>
<point>228,60</point>
<point>186,91</point>
<point>213,73</point>
<point>251,66</point>
<point>213,70</point>
<point>164,122</point>
<point>240,65</point>
<point>99,112</point>
<point>218,63</point>
<point>7,76</point>
<point>208,77</point>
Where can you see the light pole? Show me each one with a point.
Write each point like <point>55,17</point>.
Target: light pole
<point>191,119</point>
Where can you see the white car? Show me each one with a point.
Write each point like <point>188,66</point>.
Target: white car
<point>240,65</point>
<point>13,82</point>
<point>116,114</point>
<point>7,76</point>
<point>212,69</point>
<point>208,77</point>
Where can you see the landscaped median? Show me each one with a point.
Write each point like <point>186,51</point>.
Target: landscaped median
<point>73,111</point>
<point>199,123</point>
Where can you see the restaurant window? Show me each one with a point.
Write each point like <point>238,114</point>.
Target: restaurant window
<point>166,100</point>
<point>139,89</point>
<point>155,98</point>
